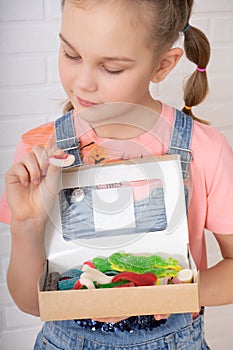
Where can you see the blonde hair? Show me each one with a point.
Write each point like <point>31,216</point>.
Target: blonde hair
<point>167,20</point>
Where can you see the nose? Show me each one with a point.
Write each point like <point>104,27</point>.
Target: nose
<point>86,79</point>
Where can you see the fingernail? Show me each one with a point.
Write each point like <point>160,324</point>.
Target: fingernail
<point>36,181</point>
<point>25,183</point>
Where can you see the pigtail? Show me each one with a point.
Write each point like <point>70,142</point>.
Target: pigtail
<point>197,49</point>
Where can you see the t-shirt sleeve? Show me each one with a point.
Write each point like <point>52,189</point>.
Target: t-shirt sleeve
<point>220,197</point>
<point>42,135</point>
<point>4,208</point>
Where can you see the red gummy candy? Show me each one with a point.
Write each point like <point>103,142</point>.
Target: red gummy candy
<point>139,279</point>
<point>90,264</point>
<point>130,284</point>
<point>78,285</point>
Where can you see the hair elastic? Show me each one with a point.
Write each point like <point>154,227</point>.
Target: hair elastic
<point>186,28</point>
<point>187,107</point>
<point>202,70</point>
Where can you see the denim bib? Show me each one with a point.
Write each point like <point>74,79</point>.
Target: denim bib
<point>150,215</point>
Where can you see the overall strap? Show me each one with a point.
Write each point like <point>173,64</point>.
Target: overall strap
<point>66,138</point>
<point>181,141</point>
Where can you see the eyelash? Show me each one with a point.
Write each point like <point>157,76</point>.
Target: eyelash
<point>76,58</point>
<point>71,57</point>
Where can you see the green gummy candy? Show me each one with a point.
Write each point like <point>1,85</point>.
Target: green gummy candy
<point>102,264</point>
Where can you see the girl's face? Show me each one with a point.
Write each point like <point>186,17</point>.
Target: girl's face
<point>105,56</point>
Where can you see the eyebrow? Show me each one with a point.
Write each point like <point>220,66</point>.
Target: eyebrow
<point>105,58</point>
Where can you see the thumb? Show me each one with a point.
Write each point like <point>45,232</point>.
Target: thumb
<point>56,162</point>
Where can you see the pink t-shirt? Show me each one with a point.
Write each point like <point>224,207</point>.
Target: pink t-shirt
<point>210,186</point>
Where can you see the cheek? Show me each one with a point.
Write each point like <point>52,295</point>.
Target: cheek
<point>61,69</point>
<point>133,88</point>
<point>64,72</point>
<point>114,92</point>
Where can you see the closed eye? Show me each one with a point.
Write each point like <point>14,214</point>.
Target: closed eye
<point>71,57</point>
<point>114,71</point>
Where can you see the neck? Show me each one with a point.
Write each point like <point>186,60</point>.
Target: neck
<point>130,124</point>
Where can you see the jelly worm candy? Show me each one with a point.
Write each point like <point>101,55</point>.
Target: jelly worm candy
<point>90,264</point>
<point>62,160</point>
<point>66,284</point>
<point>86,281</point>
<point>70,274</point>
<point>78,285</point>
<point>139,279</point>
<point>114,284</point>
<point>51,281</point>
<point>90,275</point>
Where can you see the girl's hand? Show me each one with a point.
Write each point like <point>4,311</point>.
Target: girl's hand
<point>32,184</point>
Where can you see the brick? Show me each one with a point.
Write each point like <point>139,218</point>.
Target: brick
<point>5,245</point>
<point>19,339</point>
<point>53,9</point>
<point>15,318</point>
<point>6,157</point>
<point>21,10</point>
<point>53,72</point>
<point>30,101</point>
<point>222,29</point>
<point>213,6</point>
<point>216,113</point>
<point>221,60</point>
<point>31,94</point>
<point>22,71</point>
<point>5,264</point>
<point>31,37</point>
<point>5,296</point>
<point>14,128</point>
<point>221,88</point>
<point>1,186</point>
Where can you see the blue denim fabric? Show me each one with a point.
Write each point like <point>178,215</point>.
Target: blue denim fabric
<point>181,141</point>
<point>66,138</point>
<point>78,221</point>
<point>179,332</point>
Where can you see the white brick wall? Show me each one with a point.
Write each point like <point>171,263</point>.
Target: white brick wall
<point>31,94</point>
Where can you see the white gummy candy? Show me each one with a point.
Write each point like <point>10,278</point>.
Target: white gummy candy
<point>62,162</point>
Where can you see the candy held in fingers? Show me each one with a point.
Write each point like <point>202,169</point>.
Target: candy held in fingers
<point>62,160</point>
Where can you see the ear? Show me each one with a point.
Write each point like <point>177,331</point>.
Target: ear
<point>167,62</point>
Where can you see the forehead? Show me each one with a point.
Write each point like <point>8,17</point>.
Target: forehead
<point>105,21</point>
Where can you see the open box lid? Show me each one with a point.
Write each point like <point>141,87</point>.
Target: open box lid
<point>172,241</point>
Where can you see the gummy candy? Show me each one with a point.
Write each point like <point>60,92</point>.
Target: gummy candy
<point>138,279</point>
<point>141,264</point>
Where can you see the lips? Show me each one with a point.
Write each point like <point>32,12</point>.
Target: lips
<point>86,103</point>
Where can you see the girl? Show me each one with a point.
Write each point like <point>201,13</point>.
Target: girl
<point>110,52</point>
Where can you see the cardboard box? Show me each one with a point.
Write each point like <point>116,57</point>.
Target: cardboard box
<point>172,241</point>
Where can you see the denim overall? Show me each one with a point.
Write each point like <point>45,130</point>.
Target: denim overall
<point>179,331</point>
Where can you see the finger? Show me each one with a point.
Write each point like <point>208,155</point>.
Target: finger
<point>30,162</point>
<point>42,158</point>
<point>161,317</point>
<point>17,174</point>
